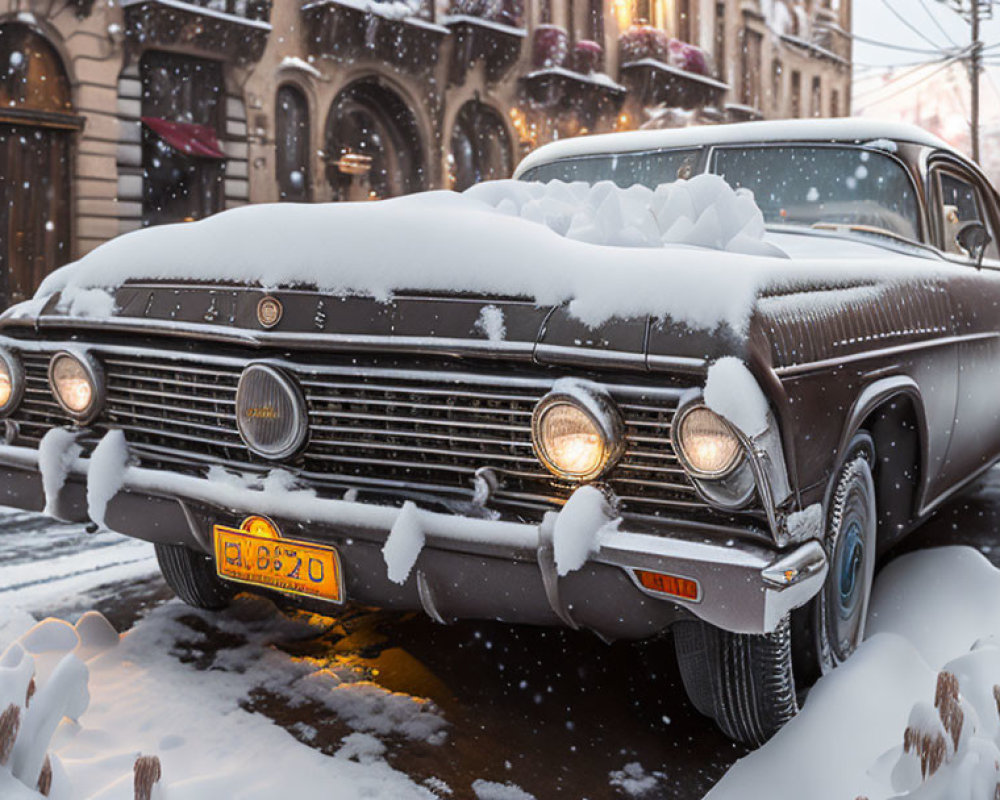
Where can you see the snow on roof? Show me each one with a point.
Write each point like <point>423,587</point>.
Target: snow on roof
<point>821,130</point>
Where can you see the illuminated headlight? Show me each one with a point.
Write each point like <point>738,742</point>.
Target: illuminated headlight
<point>11,382</point>
<point>706,444</point>
<point>270,412</point>
<point>76,384</point>
<point>576,436</point>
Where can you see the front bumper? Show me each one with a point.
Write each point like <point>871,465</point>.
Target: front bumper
<point>467,567</point>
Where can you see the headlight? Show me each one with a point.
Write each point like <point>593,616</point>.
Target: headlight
<point>705,443</point>
<point>75,383</point>
<point>576,436</point>
<point>270,412</point>
<point>11,382</point>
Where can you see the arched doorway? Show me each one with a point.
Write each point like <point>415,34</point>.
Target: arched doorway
<point>480,148</point>
<point>36,135</point>
<point>373,144</point>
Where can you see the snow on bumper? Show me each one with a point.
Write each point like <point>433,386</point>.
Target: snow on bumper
<point>580,567</point>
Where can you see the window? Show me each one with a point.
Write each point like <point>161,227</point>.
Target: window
<point>292,149</point>
<point>816,109</point>
<point>810,185</point>
<point>480,148</point>
<point>834,103</point>
<point>776,84</point>
<point>752,63</point>
<point>626,169</point>
<point>796,94</point>
<point>178,186</point>
<point>961,203</point>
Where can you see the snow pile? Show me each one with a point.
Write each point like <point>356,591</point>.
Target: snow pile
<point>915,713</point>
<point>106,473</point>
<point>634,781</point>
<point>577,528</point>
<point>703,211</point>
<point>85,740</point>
<point>41,682</point>
<point>56,453</point>
<point>732,392</point>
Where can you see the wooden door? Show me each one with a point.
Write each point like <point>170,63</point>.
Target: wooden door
<point>34,206</point>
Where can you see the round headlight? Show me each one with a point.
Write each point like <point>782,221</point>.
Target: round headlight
<point>573,439</point>
<point>270,412</point>
<point>11,382</point>
<point>707,446</point>
<point>75,384</point>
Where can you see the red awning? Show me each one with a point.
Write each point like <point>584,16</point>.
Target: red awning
<point>186,138</point>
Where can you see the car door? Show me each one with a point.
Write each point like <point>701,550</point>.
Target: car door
<point>958,195</point>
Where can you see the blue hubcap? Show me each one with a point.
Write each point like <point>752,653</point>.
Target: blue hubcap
<point>849,569</point>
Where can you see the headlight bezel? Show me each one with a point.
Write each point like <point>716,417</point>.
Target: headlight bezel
<point>15,372</point>
<point>739,454</point>
<point>601,412</point>
<point>95,376</point>
<point>297,400</point>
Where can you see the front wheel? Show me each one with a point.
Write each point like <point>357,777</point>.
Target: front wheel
<point>192,577</point>
<point>742,681</point>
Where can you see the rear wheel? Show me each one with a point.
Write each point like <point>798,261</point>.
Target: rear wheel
<point>192,577</point>
<point>742,681</point>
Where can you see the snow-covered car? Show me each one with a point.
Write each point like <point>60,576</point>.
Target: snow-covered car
<point>619,394</point>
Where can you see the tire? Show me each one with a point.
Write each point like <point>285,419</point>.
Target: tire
<point>830,628</point>
<point>192,577</point>
<point>742,681</point>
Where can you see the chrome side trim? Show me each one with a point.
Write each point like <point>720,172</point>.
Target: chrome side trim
<point>426,595</point>
<point>882,353</point>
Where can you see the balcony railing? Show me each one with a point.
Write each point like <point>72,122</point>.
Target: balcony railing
<point>233,30</point>
<point>665,71</point>
<point>486,31</point>
<point>399,32</point>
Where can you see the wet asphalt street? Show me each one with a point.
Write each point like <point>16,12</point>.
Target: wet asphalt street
<point>557,713</point>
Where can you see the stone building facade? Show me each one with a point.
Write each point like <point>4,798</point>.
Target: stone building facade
<point>115,114</point>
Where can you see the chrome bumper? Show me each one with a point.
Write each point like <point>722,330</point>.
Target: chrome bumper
<point>465,562</point>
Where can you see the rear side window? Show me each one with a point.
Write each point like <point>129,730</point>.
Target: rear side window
<point>625,169</point>
<point>960,203</point>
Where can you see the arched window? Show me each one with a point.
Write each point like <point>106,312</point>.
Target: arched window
<point>31,73</point>
<point>373,144</point>
<point>292,145</point>
<point>36,139</point>
<point>480,147</point>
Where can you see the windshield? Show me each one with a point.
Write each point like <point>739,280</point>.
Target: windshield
<point>625,169</point>
<point>821,185</point>
<point>816,185</point>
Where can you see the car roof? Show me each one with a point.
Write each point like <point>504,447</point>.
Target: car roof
<point>786,130</point>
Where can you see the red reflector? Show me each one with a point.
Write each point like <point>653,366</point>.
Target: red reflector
<point>672,585</point>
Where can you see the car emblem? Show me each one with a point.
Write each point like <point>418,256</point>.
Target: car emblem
<point>269,311</point>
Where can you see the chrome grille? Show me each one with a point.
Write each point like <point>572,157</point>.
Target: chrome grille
<point>374,427</point>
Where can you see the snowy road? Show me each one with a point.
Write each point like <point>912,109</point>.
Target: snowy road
<point>549,711</point>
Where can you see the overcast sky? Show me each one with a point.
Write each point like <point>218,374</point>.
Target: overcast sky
<point>933,19</point>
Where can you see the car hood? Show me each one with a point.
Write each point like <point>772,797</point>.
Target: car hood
<point>459,273</point>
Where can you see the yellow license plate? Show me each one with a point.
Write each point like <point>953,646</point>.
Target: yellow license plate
<point>306,569</point>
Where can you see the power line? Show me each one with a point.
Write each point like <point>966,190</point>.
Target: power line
<point>903,76</point>
<point>913,85</point>
<point>937,23</point>
<point>909,24</point>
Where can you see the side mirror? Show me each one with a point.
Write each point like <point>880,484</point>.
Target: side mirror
<point>973,238</point>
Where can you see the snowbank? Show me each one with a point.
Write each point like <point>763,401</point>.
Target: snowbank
<point>97,702</point>
<point>695,251</point>
<point>915,713</point>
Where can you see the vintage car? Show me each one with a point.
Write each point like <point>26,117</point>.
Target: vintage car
<point>397,404</point>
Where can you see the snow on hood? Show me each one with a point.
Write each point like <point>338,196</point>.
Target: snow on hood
<point>692,250</point>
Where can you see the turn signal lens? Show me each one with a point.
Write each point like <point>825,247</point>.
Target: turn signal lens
<point>72,384</point>
<point>707,445</point>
